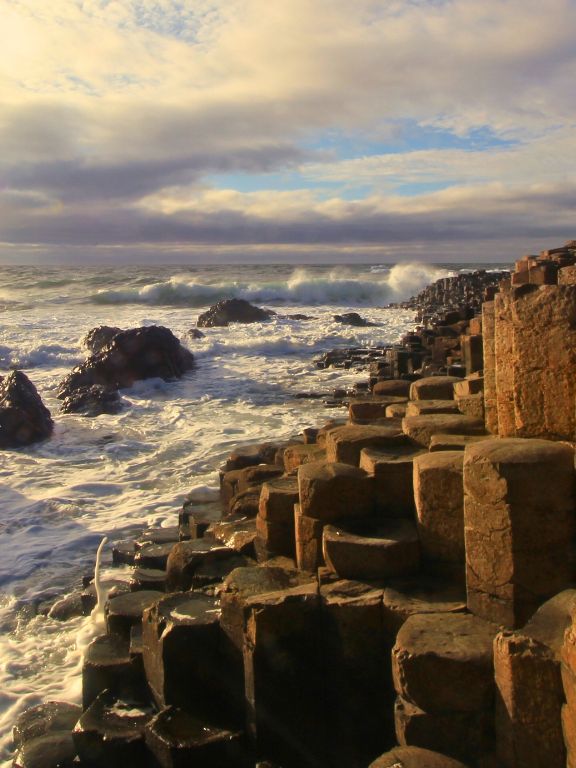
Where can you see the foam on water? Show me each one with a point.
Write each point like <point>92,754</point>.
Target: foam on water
<point>117,473</point>
<point>302,287</point>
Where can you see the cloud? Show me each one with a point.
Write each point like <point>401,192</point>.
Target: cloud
<point>116,118</point>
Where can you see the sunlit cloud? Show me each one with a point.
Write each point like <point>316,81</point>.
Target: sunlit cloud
<point>122,122</point>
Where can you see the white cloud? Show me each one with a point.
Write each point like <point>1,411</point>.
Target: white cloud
<point>127,105</point>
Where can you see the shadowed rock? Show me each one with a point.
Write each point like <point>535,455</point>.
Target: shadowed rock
<point>92,401</point>
<point>139,353</point>
<point>233,311</point>
<point>24,419</point>
<point>97,338</point>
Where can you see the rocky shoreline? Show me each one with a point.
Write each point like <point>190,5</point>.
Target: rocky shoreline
<point>391,588</point>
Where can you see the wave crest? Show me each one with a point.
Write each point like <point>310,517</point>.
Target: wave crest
<point>302,287</point>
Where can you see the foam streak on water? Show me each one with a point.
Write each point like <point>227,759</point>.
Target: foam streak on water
<point>113,474</point>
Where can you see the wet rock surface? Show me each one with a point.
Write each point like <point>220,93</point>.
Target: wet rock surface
<point>24,419</point>
<point>139,353</point>
<point>233,311</point>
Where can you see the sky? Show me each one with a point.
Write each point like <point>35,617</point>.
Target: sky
<point>214,131</point>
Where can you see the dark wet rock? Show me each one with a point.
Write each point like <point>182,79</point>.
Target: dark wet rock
<point>148,578</point>
<point>233,311</point>
<point>111,587</point>
<point>109,665</point>
<point>180,738</point>
<point>194,333</point>
<point>92,401</point>
<point>139,353</point>
<point>67,607</point>
<point>153,555</point>
<point>124,611</point>
<point>188,658</point>
<point>110,733</point>
<point>54,750</point>
<point>299,316</point>
<point>24,419</point>
<point>353,318</point>
<point>124,552</point>
<point>97,338</point>
<point>188,556</point>
<point>51,717</point>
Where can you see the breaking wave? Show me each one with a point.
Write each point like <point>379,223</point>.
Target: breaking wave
<point>397,283</point>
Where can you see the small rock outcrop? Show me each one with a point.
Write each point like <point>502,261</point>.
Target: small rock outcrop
<point>352,318</point>
<point>138,353</point>
<point>233,311</point>
<point>97,338</point>
<point>24,419</point>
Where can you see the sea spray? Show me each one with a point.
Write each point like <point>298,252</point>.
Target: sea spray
<point>339,286</point>
<point>97,614</point>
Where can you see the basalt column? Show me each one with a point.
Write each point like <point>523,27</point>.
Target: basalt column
<point>490,407</point>
<point>518,526</point>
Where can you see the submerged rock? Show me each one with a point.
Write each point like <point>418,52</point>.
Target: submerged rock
<point>139,353</point>
<point>233,311</point>
<point>24,419</point>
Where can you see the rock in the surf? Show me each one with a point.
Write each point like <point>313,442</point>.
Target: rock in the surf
<point>139,353</point>
<point>233,311</point>
<point>92,401</point>
<point>352,318</point>
<point>24,419</point>
<point>97,338</point>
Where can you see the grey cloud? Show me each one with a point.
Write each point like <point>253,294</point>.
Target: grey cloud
<point>533,216</point>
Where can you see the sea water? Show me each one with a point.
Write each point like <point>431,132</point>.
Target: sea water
<point>112,475</point>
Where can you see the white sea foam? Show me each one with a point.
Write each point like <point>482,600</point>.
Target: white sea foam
<point>301,287</point>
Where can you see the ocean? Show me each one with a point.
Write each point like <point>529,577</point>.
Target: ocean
<point>112,475</point>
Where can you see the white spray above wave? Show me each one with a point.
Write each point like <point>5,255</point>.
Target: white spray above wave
<point>302,287</point>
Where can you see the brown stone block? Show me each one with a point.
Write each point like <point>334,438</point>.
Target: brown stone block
<point>454,442</point>
<point>461,735</point>
<point>308,541</point>
<point>472,353</point>
<point>488,341</point>
<point>519,522</point>
<point>392,387</point>
<point>284,666</point>
<point>396,411</point>
<point>420,429</point>
<point>296,455</point>
<point>443,662</point>
<point>472,405</point>
<point>344,444</point>
<point>277,499</point>
<point>371,408</point>
<point>405,597</point>
<point>423,407</point>
<point>243,584</point>
<point>503,355</point>
<point>528,702</point>
<point>371,550</point>
<point>433,388</point>
<point>473,385</point>
<point>358,684</point>
<point>567,275</point>
<point>475,326</point>
<point>439,498</point>
<point>393,481</point>
<point>332,491</point>
<point>277,538</point>
<point>543,362</point>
